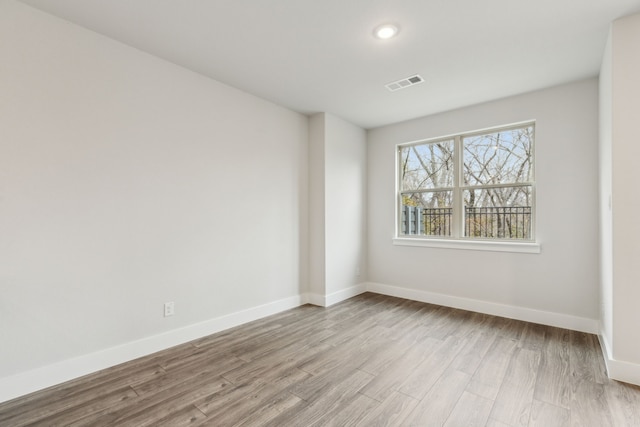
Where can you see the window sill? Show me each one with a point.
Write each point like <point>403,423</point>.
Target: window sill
<point>475,245</point>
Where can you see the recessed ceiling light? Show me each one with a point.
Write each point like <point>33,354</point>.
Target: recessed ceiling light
<point>385,31</point>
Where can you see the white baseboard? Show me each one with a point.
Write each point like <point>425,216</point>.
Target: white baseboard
<point>37,379</point>
<point>606,353</point>
<point>314,299</point>
<point>345,294</point>
<point>47,376</point>
<point>616,369</point>
<point>623,371</point>
<point>335,297</point>
<point>512,312</point>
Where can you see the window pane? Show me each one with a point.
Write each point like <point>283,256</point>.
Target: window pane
<point>426,166</point>
<point>498,212</point>
<point>499,158</point>
<point>427,214</point>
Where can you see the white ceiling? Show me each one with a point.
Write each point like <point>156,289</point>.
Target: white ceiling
<point>320,55</point>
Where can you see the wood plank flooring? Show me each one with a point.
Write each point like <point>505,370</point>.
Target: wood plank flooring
<point>370,361</point>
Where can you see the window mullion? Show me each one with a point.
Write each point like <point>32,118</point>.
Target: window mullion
<point>458,219</point>
<point>507,185</point>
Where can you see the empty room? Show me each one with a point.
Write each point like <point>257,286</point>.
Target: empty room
<point>319,213</point>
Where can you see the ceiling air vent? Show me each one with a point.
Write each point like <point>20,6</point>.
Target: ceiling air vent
<point>401,84</point>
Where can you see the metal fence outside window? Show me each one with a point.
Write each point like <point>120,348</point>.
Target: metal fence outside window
<point>503,222</point>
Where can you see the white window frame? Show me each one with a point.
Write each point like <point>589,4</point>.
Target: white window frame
<point>457,240</point>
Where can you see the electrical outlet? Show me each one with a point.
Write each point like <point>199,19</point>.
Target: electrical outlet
<point>357,271</point>
<point>169,309</point>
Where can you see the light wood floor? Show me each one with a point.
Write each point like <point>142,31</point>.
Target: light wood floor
<point>369,361</point>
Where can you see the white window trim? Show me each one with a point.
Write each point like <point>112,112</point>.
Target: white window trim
<point>495,245</point>
<point>526,246</point>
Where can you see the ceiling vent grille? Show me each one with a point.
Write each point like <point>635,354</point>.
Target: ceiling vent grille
<point>401,84</point>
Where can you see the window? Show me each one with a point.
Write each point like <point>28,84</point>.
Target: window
<point>472,186</point>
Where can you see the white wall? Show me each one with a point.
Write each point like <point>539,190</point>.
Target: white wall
<point>620,91</point>
<point>557,286</point>
<point>125,182</point>
<point>606,224</point>
<point>626,152</point>
<point>317,262</point>
<point>345,168</point>
<point>337,168</point>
